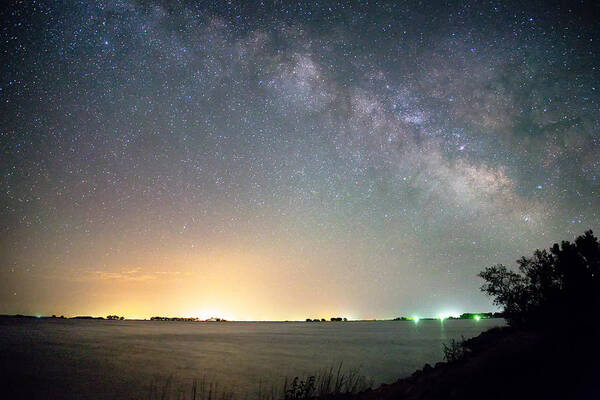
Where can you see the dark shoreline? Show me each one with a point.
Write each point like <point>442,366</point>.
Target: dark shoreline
<point>507,363</point>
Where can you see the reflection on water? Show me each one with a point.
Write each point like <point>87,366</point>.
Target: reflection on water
<point>108,359</point>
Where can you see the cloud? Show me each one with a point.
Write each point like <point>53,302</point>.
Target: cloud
<point>124,275</point>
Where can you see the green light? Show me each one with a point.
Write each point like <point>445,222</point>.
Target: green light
<point>477,318</point>
<point>441,318</point>
<point>416,319</point>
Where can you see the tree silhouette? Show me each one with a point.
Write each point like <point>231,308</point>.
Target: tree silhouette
<point>565,280</point>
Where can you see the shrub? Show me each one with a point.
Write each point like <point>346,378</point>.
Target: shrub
<point>455,350</point>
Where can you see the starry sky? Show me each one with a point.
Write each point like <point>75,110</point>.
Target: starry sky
<point>285,160</point>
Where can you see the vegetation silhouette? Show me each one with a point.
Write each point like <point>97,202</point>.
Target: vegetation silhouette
<point>561,281</point>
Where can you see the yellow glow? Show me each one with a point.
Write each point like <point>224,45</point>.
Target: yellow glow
<point>213,312</point>
<point>237,281</point>
<point>236,284</point>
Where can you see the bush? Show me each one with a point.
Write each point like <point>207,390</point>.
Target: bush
<point>328,383</point>
<point>565,280</point>
<point>300,389</point>
<point>455,350</point>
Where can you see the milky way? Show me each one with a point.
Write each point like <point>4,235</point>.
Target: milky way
<point>287,160</point>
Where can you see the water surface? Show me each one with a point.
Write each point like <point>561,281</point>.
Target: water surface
<point>119,359</point>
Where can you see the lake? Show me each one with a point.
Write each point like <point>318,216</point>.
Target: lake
<point>95,359</point>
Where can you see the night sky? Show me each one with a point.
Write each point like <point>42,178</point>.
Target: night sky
<point>289,160</point>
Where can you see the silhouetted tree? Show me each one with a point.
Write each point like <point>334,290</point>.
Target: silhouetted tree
<point>563,280</point>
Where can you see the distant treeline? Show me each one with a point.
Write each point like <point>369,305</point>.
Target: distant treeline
<point>333,319</point>
<point>475,316</point>
<point>30,316</point>
<point>189,319</point>
<point>173,319</point>
<point>109,317</point>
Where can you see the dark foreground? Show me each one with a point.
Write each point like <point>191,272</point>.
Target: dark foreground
<point>504,363</point>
